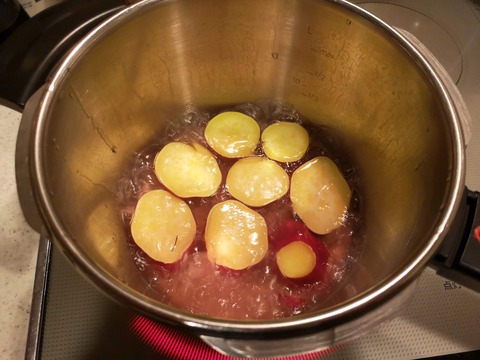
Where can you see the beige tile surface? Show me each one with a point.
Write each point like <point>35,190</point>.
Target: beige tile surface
<point>18,248</point>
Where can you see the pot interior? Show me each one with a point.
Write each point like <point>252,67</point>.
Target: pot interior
<point>333,65</point>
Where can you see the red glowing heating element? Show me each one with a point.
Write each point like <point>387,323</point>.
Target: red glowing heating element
<point>176,345</point>
<point>476,232</point>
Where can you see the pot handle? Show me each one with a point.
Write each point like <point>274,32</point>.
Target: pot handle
<point>35,47</point>
<point>458,257</point>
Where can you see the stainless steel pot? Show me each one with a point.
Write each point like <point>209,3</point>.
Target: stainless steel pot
<point>333,62</point>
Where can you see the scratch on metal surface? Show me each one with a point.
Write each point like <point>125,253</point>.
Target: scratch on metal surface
<point>107,142</point>
<point>94,183</point>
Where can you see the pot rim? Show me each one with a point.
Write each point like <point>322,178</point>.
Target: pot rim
<point>352,307</point>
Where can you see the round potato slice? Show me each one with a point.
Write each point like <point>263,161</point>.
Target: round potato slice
<point>233,134</point>
<point>257,181</point>
<point>236,236</point>
<point>188,170</point>
<point>296,260</point>
<point>320,195</point>
<point>163,226</point>
<point>285,141</point>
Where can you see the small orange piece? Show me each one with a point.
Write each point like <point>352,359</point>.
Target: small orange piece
<point>296,260</point>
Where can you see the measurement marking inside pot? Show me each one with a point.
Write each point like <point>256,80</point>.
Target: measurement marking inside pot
<point>317,74</point>
<point>310,96</point>
<point>297,81</point>
<point>323,52</point>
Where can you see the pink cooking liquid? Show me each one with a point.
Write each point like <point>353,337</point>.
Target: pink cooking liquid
<point>194,284</point>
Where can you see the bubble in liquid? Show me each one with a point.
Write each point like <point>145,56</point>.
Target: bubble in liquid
<point>196,285</point>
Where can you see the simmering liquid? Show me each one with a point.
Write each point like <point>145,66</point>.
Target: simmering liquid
<point>195,284</point>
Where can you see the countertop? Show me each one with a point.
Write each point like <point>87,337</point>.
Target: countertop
<point>18,248</point>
